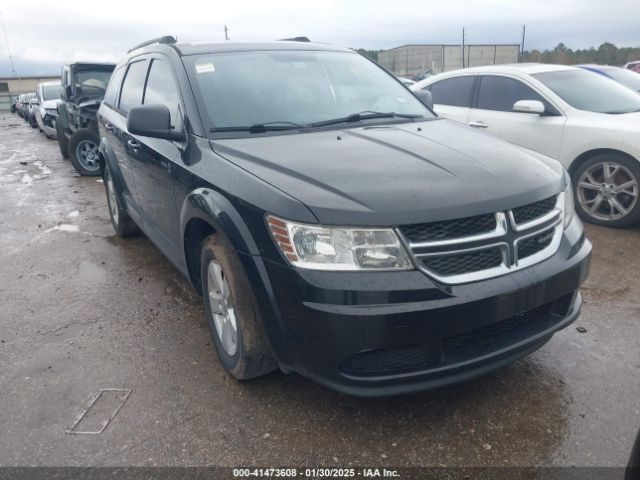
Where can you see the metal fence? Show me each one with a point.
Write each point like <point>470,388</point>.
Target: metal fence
<point>409,60</point>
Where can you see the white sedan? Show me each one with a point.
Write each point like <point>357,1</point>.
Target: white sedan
<point>588,122</point>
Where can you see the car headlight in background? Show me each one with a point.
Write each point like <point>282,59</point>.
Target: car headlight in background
<point>336,248</point>
<point>569,207</point>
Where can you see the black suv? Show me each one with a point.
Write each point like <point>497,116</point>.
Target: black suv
<point>83,87</point>
<point>334,225</point>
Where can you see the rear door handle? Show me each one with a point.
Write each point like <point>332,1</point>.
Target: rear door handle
<point>478,125</point>
<point>133,145</point>
<point>109,128</point>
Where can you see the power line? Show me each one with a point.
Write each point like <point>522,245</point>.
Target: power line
<point>6,39</point>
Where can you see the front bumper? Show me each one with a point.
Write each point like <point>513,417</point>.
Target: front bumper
<point>385,333</point>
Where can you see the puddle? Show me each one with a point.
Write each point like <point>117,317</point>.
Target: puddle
<point>90,272</point>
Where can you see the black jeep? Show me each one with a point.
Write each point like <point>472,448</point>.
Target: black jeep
<point>83,87</point>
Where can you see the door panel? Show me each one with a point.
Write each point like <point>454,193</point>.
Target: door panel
<point>492,111</point>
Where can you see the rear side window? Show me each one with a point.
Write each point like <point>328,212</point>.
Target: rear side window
<point>131,95</point>
<point>453,91</point>
<point>500,93</point>
<point>161,89</point>
<point>111,95</point>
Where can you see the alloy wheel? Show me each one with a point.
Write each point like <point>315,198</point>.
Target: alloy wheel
<point>87,155</point>
<point>222,310</point>
<point>607,191</point>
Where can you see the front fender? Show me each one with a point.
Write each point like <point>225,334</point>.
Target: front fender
<point>214,208</point>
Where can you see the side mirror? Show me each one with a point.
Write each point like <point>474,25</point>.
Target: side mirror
<point>529,106</point>
<point>425,97</point>
<point>153,121</point>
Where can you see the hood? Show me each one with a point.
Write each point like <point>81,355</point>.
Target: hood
<point>50,104</point>
<point>397,174</point>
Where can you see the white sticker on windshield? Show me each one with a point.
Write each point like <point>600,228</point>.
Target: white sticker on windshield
<point>205,67</point>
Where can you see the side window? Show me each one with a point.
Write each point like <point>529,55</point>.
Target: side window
<point>500,93</point>
<point>453,91</point>
<point>161,89</point>
<point>111,94</point>
<point>131,95</point>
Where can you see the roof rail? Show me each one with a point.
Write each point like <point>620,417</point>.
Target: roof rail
<point>167,39</point>
<point>295,39</point>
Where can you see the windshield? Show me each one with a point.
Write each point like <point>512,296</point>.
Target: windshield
<point>296,88</point>
<point>51,92</point>
<point>591,91</point>
<point>628,78</point>
<point>92,81</point>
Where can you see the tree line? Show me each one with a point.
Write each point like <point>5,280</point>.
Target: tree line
<point>605,54</point>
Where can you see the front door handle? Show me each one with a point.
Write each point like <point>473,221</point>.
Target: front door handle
<point>133,145</point>
<point>478,125</point>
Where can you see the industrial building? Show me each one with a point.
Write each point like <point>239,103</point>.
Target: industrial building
<point>410,60</point>
<point>11,87</point>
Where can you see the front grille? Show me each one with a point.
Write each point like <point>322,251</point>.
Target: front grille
<point>449,229</point>
<point>489,332</point>
<point>533,210</point>
<point>532,245</point>
<point>483,246</point>
<point>392,360</point>
<point>464,262</point>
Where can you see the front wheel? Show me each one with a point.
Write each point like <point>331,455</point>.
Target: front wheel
<point>122,223</point>
<point>232,312</point>
<point>83,151</point>
<point>606,190</point>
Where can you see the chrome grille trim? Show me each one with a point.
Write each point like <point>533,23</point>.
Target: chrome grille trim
<point>506,227</point>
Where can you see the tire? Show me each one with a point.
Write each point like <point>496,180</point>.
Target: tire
<point>83,152</point>
<point>63,141</point>
<point>122,223</point>
<point>611,201</point>
<point>252,356</point>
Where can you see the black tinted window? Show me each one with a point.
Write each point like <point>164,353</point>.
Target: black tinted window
<point>161,89</point>
<point>500,93</point>
<point>111,95</point>
<point>453,91</point>
<point>131,95</point>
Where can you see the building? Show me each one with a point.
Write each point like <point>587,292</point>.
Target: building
<point>409,60</point>
<point>11,87</point>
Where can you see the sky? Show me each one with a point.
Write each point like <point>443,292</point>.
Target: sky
<point>43,35</point>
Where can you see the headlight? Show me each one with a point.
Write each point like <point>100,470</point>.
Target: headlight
<point>569,207</point>
<point>336,248</point>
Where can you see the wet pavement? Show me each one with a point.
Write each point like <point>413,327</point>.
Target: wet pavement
<point>81,311</point>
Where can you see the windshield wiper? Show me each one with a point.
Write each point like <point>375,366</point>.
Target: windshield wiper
<point>366,115</point>
<point>260,127</point>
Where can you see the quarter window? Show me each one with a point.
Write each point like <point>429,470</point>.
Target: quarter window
<point>161,90</point>
<point>131,95</point>
<point>500,93</point>
<point>453,91</point>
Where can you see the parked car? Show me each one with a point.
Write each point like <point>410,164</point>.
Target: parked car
<point>23,105</point>
<point>83,87</point>
<point>623,76</point>
<point>31,108</point>
<point>635,66</point>
<point>333,224</point>
<point>584,120</point>
<point>406,81</point>
<point>48,94</point>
